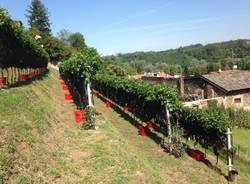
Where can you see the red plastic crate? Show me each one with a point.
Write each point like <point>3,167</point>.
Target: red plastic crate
<point>68,97</point>
<point>144,131</point>
<point>33,74</point>
<point>125,109</point>
<point>150,124</point>
<point>197,155</point>
<point>108,105</point>
<point>80,112</point>
<point>80,119</point>
<point>24,77</point>
<point>3,81</point>
<point>65,87</point>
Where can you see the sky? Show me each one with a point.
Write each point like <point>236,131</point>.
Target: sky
<point>121,26</point>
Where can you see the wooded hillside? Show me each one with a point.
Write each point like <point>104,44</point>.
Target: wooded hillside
<point>193,59</point>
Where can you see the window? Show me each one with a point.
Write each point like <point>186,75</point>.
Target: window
<point>237,100</point>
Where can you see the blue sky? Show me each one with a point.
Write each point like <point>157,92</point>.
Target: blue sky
<point>118,26</point>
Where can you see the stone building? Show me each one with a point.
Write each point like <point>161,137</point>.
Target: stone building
<point>230,87</point>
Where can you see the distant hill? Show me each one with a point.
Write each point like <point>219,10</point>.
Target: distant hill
<point>225,54</point>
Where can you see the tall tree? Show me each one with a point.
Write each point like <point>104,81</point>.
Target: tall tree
<point>38,17</point>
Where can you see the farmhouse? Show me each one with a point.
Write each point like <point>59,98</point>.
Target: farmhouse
<point>232,85</point>
<point>230,88</point>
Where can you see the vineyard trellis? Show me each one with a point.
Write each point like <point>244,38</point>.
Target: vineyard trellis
<point>147,102</point>
<point>11,76</point>
<point>78,71</point>
<point>155,102</point>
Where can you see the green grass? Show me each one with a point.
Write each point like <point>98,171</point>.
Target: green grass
<point>242,137</point>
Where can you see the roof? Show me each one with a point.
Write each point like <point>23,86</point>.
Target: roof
<point>229,80</point>
<point>157,74</point>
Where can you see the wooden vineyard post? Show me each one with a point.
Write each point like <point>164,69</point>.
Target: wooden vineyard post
<point>16,74</point>
<point>169,126</point>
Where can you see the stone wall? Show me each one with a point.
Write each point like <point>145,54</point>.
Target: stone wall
<point>239,100</point>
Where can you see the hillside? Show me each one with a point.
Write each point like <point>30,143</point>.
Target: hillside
<point>41,143</point>
<point>209,57</point>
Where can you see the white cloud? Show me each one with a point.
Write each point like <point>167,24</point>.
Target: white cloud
<point>164,25</point>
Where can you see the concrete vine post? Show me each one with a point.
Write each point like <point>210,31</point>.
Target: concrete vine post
<point>169,125</point>
<point>90,103</point>
<point>90,106</point>
<point>232,173</point>
<point>229,147</point>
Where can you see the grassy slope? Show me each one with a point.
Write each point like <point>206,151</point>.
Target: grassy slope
<point>40,143</point>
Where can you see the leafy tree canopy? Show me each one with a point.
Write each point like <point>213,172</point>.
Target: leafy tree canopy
<point>84,63</point>
<point>111,69</point>
<point>77,41</point>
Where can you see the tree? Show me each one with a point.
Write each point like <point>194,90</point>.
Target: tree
<point>38,17</point>
<point>114,70</point>
<point>212,67</point>
<point>56,49</point>
<point>175,69</point>
<point>77,41</point>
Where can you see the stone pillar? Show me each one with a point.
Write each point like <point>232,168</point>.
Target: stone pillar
<point>209,91</point>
